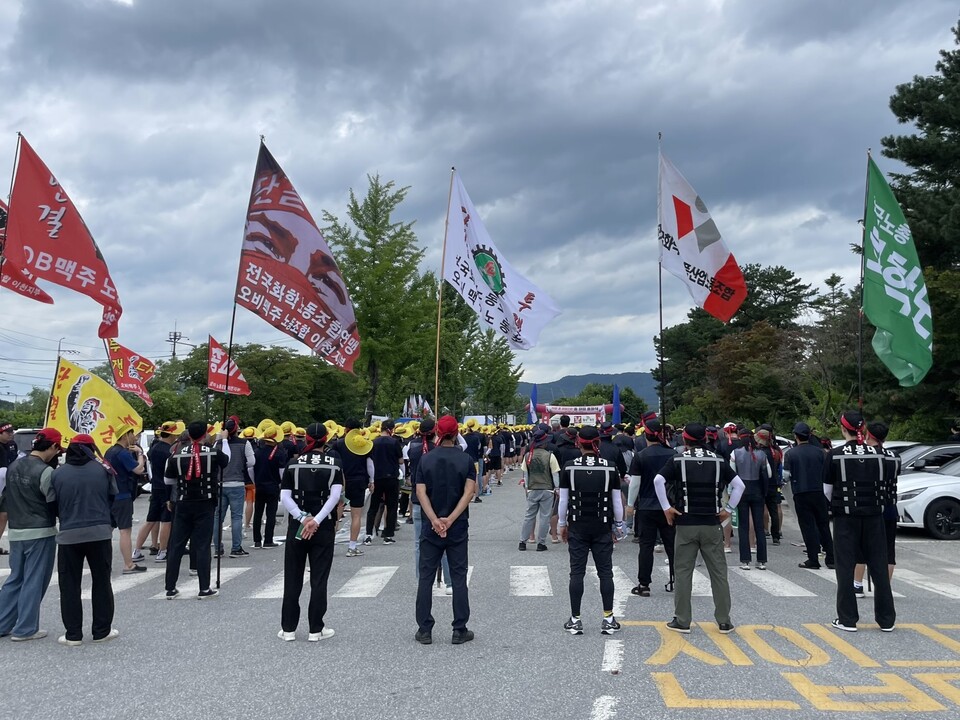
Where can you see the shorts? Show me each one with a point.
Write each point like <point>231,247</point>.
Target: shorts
<point>510,453</point>
<point>157,511</point>
<point>890,526</point>
<point>354,491</point>
<point>121,514</point>
<point>249,493</point>
<point>493,462</point>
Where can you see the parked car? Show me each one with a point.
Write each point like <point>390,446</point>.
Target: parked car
<point>928,457</point>
<point>931,500</point>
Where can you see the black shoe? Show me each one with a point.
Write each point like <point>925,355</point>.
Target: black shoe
<point>725,628</point>
<point>424,638</point>
<point>239,552</point>
<point>477,499</point>
<point>858,592</point>
<point>523,546</point>
<point>171,594</point>
<point>258,545</point>
<point>574,627</point>
<point>541,547</point>
<point>641,590</point>
<point>809,565</point>
<point>677,627</point>
<point>219,553</point>
<point>153,550</point>
<point>271,545</point>
<point>776,541</point>
<point>461,636</point>
<point>389,541</point>
<point>840,626</point>
<point>609,626</point>
<point>831,566</point>
<point>208,593</point>
<point>409,521</point>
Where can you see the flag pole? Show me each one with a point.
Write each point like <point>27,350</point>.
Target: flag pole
<point>53,389</point>
<point>663,377</point>
<point>863,258</point>
<point>13,175</point>
<point>443,262</point>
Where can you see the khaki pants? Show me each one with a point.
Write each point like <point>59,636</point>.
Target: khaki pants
<point>707,540</point>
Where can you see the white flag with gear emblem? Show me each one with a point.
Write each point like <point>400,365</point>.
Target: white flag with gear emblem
<point>502,298</point>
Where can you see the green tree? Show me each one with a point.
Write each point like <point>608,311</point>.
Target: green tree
<point>775,295</point>
<point>492,375</point>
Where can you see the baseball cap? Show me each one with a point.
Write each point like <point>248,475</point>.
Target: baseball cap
<point>801,429</point>
<point>82,439</point>
<point>446,426</point>
<point>51,434</point>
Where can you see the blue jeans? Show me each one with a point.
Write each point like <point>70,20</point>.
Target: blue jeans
<point>233,496</point>
<point>31,567</point>
<point>417,526</point>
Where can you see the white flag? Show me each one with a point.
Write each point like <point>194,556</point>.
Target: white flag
<point>691,247</point>
<point>502,298</point>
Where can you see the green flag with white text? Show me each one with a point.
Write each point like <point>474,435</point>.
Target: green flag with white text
<point>894,293</point>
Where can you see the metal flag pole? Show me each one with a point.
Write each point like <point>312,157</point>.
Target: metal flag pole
<point>443,262</point>
<point>863,258</point>
<point>663,377</point>
<point>13,175</point>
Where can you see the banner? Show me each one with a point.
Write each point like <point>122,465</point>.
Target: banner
<point>12,277</point>
<point>579,414</point>
<point>691,247</point>
<point>894,292</point>
<point>47,237</point>
<point>217,371</point>
<point>130,371</point>
<point>82,402</point>
<point>288,275</point>
<point>501,297</point>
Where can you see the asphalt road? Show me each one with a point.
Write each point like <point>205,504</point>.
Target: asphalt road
<point>222,658</point>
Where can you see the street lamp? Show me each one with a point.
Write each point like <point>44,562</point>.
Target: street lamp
<point>463,410</point>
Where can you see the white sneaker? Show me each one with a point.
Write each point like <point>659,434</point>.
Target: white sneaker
<point>322,635</point>
<point>38,635</point>
<point>727,550</point>
<point>161,556</point>
<point>69,643</point>
<point>448,590</point>
<point>287,636</point>
<point>114,633</point>
<point>137,556</point>
<point>761,566</point>
<point>745,566</point>
<point>193,573</point>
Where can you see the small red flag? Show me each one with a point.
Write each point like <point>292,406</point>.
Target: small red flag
<point>13,277</point>
<point>217,372</point>
<point>47,237</point>
<point>130,370</point>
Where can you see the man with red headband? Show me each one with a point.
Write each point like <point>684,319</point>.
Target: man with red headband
<point>591,505</point>
<point>445,483</point>
<point>195,467</point>
<point>690,490</point>
<point>854,481</point>
<point>310,491</point>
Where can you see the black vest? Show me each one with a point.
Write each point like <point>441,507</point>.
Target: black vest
<point>891,471</point>
<point>313,473</point>
<point>591,479</point>
<point>26,505</point>
<point>697,488</point>
<point>197,488</point>
<point>859,486</point>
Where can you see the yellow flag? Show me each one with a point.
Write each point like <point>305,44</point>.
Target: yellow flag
<point>83,403</point>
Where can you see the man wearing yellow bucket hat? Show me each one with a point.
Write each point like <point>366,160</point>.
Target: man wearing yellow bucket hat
<point>354,451</point>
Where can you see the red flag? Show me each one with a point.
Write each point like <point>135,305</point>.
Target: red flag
<point>287,273</point>
<point>130,370</point>
<point>47,237</point>
<point>12,277</point>
<point>217,372</point>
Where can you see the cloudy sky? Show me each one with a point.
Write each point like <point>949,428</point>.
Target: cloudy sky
<point>150,112</point>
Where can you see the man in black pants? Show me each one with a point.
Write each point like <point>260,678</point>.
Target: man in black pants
<point>446,482</point>
<point>269,461</point>
<point>854,481</point>
<point>643,496</point>
<point>196,469</point>
<point>309,491</point>
<point>590,505</point>
<point>387,457</point>
<point>803,469</point>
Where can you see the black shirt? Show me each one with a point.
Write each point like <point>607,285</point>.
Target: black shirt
<point>444,472</point>
<point>805,464</point>
<point>387,454</point>
<point>646,464</point>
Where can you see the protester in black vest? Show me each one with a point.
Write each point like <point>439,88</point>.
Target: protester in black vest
<point>803,469</point>
<point>853,481</point>
<point>875,436</point>
<point>32,531</point>
<point>690,490</point>
<point>591,506</point>
<point>269,461</point>
<point>310,490</point>
<point>196,468</point>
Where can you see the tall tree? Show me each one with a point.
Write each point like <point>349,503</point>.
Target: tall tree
<point>492,375</point>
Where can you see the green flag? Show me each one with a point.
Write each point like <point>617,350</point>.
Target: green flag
<point>894,293</point>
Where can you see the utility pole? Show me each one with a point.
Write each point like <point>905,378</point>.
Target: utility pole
<point>175,337</point>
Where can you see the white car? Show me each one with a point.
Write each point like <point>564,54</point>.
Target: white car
<point>931,500</point>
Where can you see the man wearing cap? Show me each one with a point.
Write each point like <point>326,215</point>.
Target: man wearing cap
<point>358,478</point>
<point>236,476</point>
<point>128,462</point>
<point>310,492</point>
<point>803,469</point>
<point>32,538</point>
<point>854,483</point>
<point>195,468</point>
<point>270,460</point>
<point>445,484</point>
<point>690,490</point>
<point>83,489</point>
<point>541,477</point>
<point>387,455</point>
<point>8,453</point>
<point>424,442</point>
<point>158,511</point>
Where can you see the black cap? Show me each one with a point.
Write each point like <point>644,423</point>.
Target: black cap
<point>197,430</point>
<point>317,431</point>
<point>606,428</point>
<point>879,430</point>
<point>427,426</point>
<point>588,433</point>
<point>801,430</point>
<point>695,431</point>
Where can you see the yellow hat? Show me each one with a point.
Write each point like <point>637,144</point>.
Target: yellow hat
<point>272,433</point>
<point>357,443</point>
<point>264,424</point>
<point>248,432</point>
<point>403,431</point>
<point>300,432</point>
<point>287,427</point>
<point>123,429</point>
<point>330,425</point>
<point>170,428</point>
<point>471,423</point>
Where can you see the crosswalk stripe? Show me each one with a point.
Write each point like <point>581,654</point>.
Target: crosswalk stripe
<point>772,583</point>
<point>612,656</point>
<point>922,581</point>
<point>441,589</point>
<point>621,587</point>
<point>530,581</point>
<point>272,590</point>
<point>4,572</point>
<point>831,576</point>
<point>367,582</point>
<point>226,574</point>
<point>55,578</point>
<point>125,582</point>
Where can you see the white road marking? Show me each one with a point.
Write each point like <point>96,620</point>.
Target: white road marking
<point>530,581</point>
<point>226,574</point>
<point>55,579</point>
<point>831,576</point>
<point>367,582</point>
<point>604,708</point>
<point>612,656</point>
<point>922,581</point>
<point>621,587</point>
<point>125,582</point>
<point>441,590</point>
<point>273,589</point>
<point>772,583</point>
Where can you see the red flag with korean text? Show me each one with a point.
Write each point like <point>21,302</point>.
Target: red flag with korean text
<point>47,237</point>
<point>288,275</point>
<point>130,370</point>
<point>13,277</point>
<point>217,372</point>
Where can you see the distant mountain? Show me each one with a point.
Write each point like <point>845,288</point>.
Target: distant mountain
<point>640,382</point>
